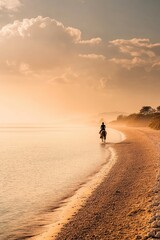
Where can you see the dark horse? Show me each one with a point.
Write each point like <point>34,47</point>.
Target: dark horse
<point>103,134</point>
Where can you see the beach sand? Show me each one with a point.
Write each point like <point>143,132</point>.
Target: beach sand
<point>124,205</point>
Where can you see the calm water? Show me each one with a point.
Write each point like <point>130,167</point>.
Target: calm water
<point>41,166</point>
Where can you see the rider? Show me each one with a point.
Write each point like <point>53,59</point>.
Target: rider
<point>103,128</point>
<point>103,132</point>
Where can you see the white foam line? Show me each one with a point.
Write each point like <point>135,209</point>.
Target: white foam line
<point>77,201</point>
<point>123,136</point>
<point>73,204</point>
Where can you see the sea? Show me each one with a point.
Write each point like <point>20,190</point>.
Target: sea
<point>42,166</point>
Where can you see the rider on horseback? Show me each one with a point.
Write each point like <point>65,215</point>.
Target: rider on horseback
<point>103,131</point>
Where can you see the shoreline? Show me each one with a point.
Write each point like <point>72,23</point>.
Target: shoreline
<point>73,204</point>
<point>123,205</point>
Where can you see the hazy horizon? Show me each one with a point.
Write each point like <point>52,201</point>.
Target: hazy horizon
<point>74,59</point>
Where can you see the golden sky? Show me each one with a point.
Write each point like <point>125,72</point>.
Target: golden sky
<point>64,59</point>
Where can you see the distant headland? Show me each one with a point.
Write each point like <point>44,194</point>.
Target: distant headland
<point>147,117</point>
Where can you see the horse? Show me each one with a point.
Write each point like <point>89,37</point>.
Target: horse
<point>103,134</point>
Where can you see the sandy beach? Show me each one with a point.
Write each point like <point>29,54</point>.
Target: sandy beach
<point>79,119</point>
<point>125,205</point>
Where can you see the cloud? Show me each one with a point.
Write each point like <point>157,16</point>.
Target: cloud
<point>42,44</point>
<point>77,36</point>
<point>104,82</point>
<point>136,47</point>
<point>92,41</point>
<point>67,77</point>
<point>92,56</point>
<point>11,5</point>
<point>130,63</point>
<point>136,52</point>
<point>46,49</point>
<point>28,27</point>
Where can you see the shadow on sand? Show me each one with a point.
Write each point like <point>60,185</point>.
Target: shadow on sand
<point>106,143</point>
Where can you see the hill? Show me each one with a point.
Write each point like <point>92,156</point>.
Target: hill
<point>147,117</point>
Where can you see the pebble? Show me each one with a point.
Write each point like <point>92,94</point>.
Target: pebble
<point>156,204</point>
<point>158,235</point>
<point>156,224</point>
<point>138,237</point>
<point>155,218</point>
<point>154,234</point>
<point>146,237</point>
<point>117,192</point>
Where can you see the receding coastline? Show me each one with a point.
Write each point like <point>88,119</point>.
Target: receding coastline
<point>73,204</point>
<point>122,207</point>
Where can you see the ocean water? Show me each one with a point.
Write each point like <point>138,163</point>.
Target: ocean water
<point>39,167</point>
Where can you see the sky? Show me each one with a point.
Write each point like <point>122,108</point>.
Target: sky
<point>63,59</point>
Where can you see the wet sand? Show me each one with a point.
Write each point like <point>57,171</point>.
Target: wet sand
<point>125,205</point>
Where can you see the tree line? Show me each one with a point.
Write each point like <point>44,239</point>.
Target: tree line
<point>147,116</point>
<point>149,110</point>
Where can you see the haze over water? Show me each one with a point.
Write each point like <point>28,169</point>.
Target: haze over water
<point>41,166</point>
